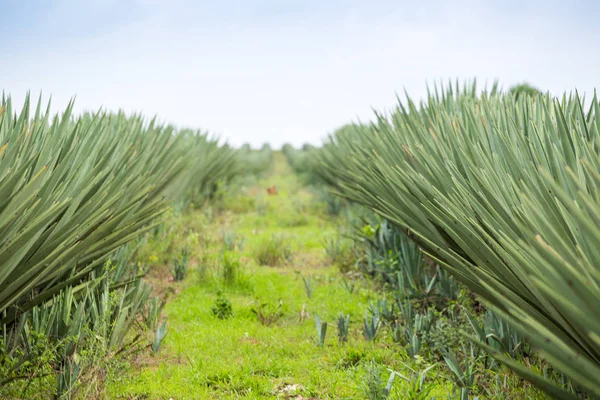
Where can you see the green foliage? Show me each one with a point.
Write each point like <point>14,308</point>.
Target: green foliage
<point>264,348</point>
<point>524,89</point>
<point>499,335</point>
<point>383,310</point>
<point>447,331</point>
<point>79,328</point>
<point>237,203</point>
<point>349,286</point>
<point>267,314</point>
<point>77,190</point>
<point>232,241</point>
<point>294,219</point>
<point>334,205</point>
<point>180,267</point>
<point>67,378</point>
<point>254,162</point>
<point>371,327</point>
<point>152,314</point>
<point>463,373</point>
<point>159,336</point>
<point>351,358</point>
<point>501,193</point>
<point>222,308</point>
<point>321,330</point>
<point>273,251</point>
<point>309,285</point>
<point>302,162</point>
<point>390,256</point>
<point>343,324</point>
<point>83,185</point>
<point>374,387</point>
<point>414,325</point>
<point>341,253</point>
<point>418,387</point>
<point>230,268</point>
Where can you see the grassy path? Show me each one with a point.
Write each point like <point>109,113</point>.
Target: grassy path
<point>267,349</point>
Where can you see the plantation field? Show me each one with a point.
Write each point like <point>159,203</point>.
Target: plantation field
<point>204,357</point>
<point>447,250</point>
<point>269,347</point>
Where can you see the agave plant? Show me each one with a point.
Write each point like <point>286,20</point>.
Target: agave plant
<point>95,322</point>
<point>463,373</point>
<point>412,327</point>
<point>180,267</point>
<point>309,285</point>
<point>371,327</point>
<point>76,191</point>
<point>498,334</point>
<point>417,388</point>
<point>159,336</point>
<point>343,324</point>
<point>503,193</point>
<point>153,310</point>
<point>321,327</point>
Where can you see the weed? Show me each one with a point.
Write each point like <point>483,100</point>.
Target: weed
<point>232,241</point>
<point>230,268</point>
<point>351,358</point>
<point>238,204</point>
<point>340,253</point>
<point>262,208</point>
<point>447,332</point>
<point>294,219</point>
<point>222,308</point>
<point>267,315</point>
<point>373,387</point>
<point>273,251</point>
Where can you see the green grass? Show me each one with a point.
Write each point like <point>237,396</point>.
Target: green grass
<point>204,357</point>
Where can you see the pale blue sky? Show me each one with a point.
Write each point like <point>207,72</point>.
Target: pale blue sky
<point>285,71</point>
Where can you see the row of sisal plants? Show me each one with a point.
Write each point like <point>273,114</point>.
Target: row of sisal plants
<point>74,191</point>
<point>503,193</point>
